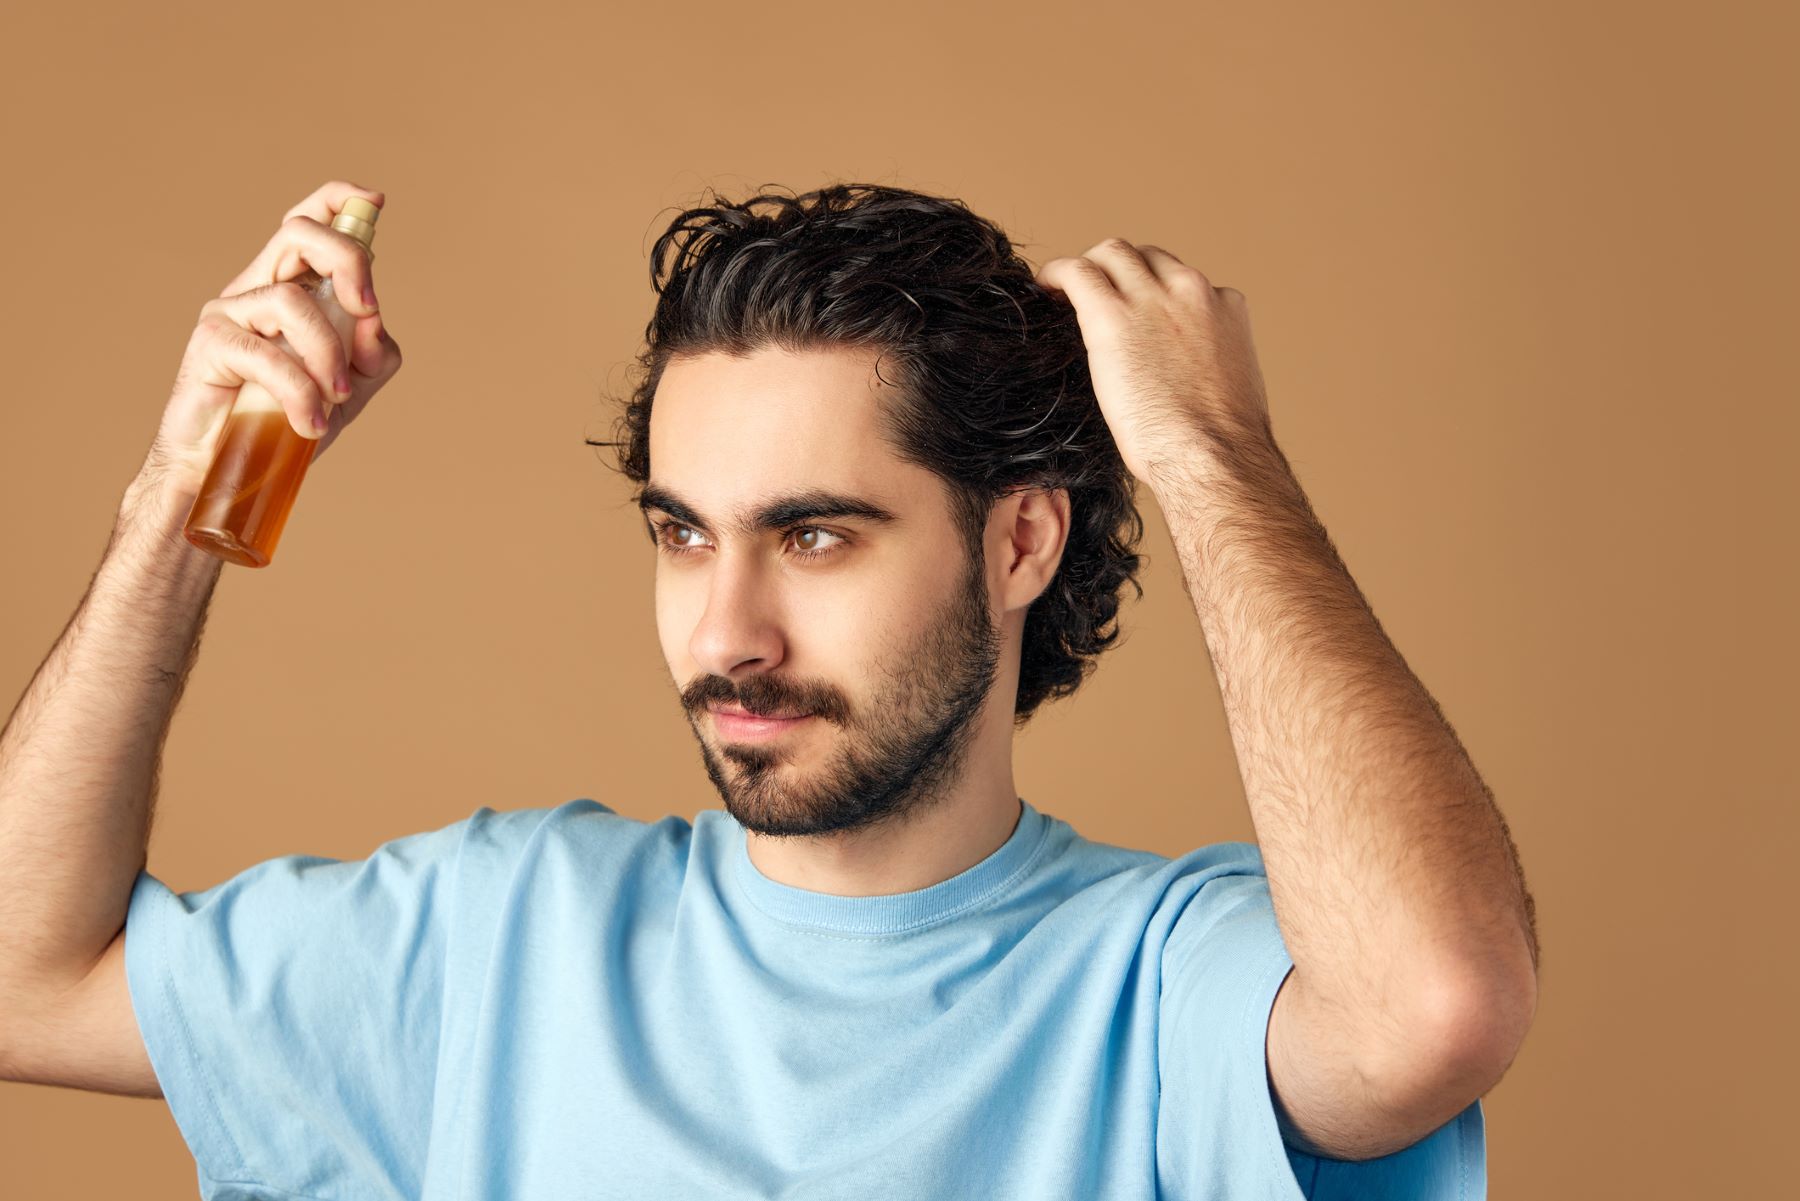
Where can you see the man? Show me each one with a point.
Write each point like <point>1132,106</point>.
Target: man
<point>888,472</point>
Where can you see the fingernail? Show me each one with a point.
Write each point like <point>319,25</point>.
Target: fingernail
<point>321,423</point>
<point>369,296</point>
<point>342,382</point>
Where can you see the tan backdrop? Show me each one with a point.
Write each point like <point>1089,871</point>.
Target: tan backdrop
<point>1522,283</point>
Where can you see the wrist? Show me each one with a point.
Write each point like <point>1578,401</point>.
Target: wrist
<point>1243,467</point>
<point>151,516</point>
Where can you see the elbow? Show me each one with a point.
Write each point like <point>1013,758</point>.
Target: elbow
<point>1452,1035</point>
<point>1472,1024</point>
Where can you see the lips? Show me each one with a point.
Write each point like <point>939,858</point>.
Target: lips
<point>738,711</point>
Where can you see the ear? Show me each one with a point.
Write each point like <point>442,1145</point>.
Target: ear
<point>1035,525</point>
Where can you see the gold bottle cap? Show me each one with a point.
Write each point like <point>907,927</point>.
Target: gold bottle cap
<point>357,218</point>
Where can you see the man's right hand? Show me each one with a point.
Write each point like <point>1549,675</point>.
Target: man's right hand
<point>234,342</point>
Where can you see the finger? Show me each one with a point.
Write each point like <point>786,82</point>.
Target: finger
<point>372,370</point>
<point>366,345</point>
<point>1082,278</point>
<point>1098,305</point>
<point>234,356</point>
<point>302,242</point>
<point>286,311</point>
<point>324,204</point>
<point>1124,265</point>
<point>1171,271</point>
<point>328,201</point>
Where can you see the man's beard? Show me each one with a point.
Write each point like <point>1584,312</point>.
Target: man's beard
<point>898,755</point>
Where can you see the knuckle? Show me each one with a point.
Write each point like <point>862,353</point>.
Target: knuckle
<point>249,340</point>
<point>266,354</point>
<point>1116,244</point>
<point>231,334</point>
<point>220,331</point>
<point>351,249</point>
<point>302,387</point>
<point>288,295</point>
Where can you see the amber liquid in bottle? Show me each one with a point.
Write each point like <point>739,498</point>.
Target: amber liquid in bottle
<point>261,459</point>
<point>250,487</point>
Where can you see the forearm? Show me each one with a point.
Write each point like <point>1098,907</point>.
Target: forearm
<point>1393,875</point>
<point>80,754</point>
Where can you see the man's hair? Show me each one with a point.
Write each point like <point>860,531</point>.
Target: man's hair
<point>987,369</point>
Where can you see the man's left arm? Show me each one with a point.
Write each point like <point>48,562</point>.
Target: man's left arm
<point>1394,878</point>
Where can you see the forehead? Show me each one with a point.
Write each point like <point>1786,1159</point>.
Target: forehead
<point>726,430</point>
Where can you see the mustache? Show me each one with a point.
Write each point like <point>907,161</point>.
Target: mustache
<point>765,696</point>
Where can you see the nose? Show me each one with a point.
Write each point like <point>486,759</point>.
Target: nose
<point>740,629</point>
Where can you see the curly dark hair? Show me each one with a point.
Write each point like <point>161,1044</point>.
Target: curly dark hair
<point>989,373</point>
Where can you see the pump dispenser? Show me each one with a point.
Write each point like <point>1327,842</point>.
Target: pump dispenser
<point>261,459</point>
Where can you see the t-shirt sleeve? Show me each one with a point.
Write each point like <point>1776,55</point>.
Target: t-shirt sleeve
<point>1217,1135</point>
<point>292,1016</point>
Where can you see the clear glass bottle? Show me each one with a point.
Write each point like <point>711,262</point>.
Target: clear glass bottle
<point>261,459</point>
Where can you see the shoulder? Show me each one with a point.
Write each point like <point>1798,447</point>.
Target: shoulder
<point>1217,878</point>
<point>1173,898</point>
<point>1216,873</point>
<point>582,822</point>
<point>580,841</point>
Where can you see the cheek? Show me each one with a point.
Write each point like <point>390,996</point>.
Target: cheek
<point>855,639</point>
<point>678,610</point>
<point>843,638</point>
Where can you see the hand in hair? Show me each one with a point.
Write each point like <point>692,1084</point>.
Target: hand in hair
<point>1171,357</point>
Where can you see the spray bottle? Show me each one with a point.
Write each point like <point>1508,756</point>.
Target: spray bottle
<point>261,459</point>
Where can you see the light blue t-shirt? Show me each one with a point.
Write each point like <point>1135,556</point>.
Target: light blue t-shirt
<point>564,1003</point>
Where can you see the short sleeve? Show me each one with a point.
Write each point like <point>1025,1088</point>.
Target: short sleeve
<point>1217,1135</point>
<point>292,1015</point>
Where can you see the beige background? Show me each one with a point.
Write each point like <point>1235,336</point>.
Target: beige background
<point>1522,283</point>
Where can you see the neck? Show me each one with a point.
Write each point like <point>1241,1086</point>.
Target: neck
<point>946,837</point>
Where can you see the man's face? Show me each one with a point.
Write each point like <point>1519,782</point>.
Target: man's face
<point>803,568</point>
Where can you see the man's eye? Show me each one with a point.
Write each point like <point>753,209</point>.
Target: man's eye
<point>672,535</point>
<point>815,550</point>
<point>679,539</point>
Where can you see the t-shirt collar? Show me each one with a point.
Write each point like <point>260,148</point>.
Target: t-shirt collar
<point>900,912</point>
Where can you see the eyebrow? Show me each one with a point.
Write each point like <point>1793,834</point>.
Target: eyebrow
<point>776,514</point>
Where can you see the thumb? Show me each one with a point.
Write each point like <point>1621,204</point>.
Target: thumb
<point>370,346</point>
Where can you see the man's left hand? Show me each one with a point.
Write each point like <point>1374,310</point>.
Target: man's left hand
<point>1171,358</point>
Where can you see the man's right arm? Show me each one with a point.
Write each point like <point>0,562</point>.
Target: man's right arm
<point>80,754</point>
<point>79,761</point>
